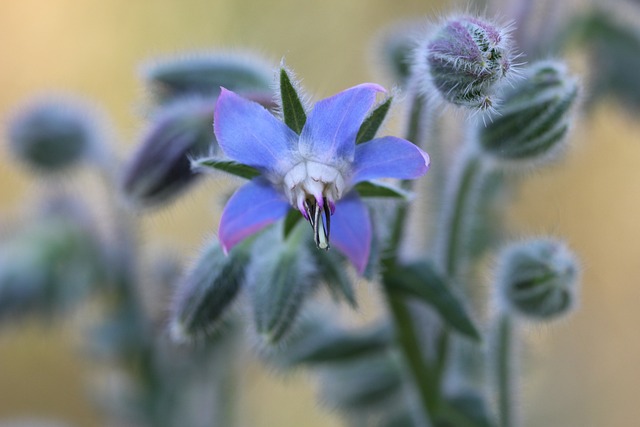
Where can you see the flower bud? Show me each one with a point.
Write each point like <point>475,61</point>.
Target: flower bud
<point>396,48</point>
<point>204,74</point>
<point>464,60</point>
<point>533,119</point>
<point>48,267</point>
<point>279,279</point>
<point>207,290</point>
<point>160,168</point>
<point>52,135</point>
<point>538,278</point>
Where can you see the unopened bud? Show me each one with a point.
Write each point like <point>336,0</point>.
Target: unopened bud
<point>279,279</point>
<point>160,168</point>
<point>396,47</point>
<point>534,116</point>
<point>464,60</point>
<point>48,267</point>
<point>203,75</point>
<point>206,291</point>
<point>538,278</point>
<point>54,134</point>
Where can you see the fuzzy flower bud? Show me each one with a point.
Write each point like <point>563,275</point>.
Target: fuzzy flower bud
<point>206,291</point>
<point>52,135</point>
<point>464,60</point>
<point>160,168</point>
<point>534,117</point>
<point>203,74</point>
<point>279,279</point>
<point>48,267</point>
<point>538,278</point>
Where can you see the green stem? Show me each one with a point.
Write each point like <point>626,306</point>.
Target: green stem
<point>407,336</point>
<point>455,216</point>
<point>454,240</point>
<point>504,371</point>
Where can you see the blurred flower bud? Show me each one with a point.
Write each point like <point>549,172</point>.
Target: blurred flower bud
<point>204,74</point>
<point>538,278</point>
<point>160,168</point>
<point>281,275</point>
<point>534,118</point>
<point>48,267</point>
<point>464,60</point>
<point>54,134</point>
<point>207,290</point>
<point>396,47</point>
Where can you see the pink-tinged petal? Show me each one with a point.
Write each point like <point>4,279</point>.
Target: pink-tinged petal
<point>351,230</point>
<point>254,206</point>
<point>389,157</point>
<point>249,134</point>
<point>332,126</point>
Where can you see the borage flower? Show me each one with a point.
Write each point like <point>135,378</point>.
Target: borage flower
<point>314,172</point>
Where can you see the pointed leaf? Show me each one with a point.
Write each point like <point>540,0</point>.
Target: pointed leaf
<point>292,108</point>
<point>290,221</point>
<point>380,189</point>
<point>372,123</point>
<point>420,280</point>
<point>228,166</point>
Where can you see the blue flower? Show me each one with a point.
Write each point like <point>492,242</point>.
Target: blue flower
<point>313,172</point>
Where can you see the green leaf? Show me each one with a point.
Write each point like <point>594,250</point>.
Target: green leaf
<point>292,108</point>
<point>420,280</point>
<point>380,189</point>
<point>464,410</point>
<point>330,344</point>
<point>371,124</point>
<point>290,221</point>
<point>229,166</point>
<point>334,274</point>
<point>362,384</point>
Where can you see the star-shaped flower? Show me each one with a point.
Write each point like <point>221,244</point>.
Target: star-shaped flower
<point>314,172</point>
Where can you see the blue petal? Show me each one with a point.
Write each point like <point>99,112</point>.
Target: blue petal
<point>249,134</point>
<point>254,206</point>
<point>389,157</point>
<point>330,131</point>
<point>351,230</point>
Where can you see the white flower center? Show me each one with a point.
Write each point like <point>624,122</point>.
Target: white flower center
<point>313,188</point>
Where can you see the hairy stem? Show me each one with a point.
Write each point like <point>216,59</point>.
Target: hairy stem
<point>407,335</point>
<point>504,370</point>
<point>462,201</point>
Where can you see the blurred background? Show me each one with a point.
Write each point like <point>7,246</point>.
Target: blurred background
<point>582,371</point>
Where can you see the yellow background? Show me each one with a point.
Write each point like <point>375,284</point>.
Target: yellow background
<point>583,371</point>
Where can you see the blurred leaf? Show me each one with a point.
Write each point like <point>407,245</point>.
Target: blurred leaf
<point>464,410</point>
<point>380,189</point>
<point>615,54</point>
<point>292,108</point>
<point>372,123</point>
<point>228,166</point>
<point>364,384</point>
<point>420,280</point>
<point>329,344</point>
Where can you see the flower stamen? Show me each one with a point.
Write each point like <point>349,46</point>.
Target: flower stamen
<point>320,224</point>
